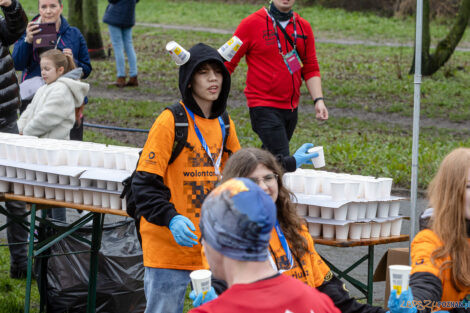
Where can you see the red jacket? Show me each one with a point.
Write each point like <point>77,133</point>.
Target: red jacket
<point>268,81</point>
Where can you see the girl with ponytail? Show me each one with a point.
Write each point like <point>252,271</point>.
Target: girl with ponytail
<point>51,113</point>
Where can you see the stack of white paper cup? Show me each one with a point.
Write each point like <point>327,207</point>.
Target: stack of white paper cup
<point>320,160</point>
<point>201,281</point>
<point>230,48</point>
<point>399,277</point>
<point>177,53</point>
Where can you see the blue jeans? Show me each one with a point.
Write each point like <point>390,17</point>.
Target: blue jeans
<point>165,289</point>
<point>121,38</point>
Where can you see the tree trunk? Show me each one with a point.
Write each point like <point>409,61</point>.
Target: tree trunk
<point>92,29</point>
<point>431,63</point>
<point>75,13</point>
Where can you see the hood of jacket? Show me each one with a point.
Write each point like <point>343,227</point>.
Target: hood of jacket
<point>78,89</point>
<point>76,73</point>
<point>201,53</point>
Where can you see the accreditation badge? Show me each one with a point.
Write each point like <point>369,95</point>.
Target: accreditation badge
<point>292,61</point>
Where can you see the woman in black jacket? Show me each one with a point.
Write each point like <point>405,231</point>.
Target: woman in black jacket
<point>120,17</point>
<point>11,27</point>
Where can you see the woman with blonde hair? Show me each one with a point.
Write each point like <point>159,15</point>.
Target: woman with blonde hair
<point>440,256</point>
<point>291,247</point>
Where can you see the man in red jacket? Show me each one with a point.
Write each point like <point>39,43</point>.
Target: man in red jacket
<point>280,51</point>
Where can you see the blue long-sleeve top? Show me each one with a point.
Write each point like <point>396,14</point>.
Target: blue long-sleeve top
<point>27,60</point>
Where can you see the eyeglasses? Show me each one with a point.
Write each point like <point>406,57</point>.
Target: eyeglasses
<point>268,180</point>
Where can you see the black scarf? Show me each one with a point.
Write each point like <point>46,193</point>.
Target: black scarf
<point>278,15</point>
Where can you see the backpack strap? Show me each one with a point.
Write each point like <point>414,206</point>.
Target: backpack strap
<point>226,119</point>
<point>181,129</point>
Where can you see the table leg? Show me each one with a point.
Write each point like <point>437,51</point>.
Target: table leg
<point>95,248</point>
<point>42,267</point>
<point>370,275</point>
<point>30,259</point>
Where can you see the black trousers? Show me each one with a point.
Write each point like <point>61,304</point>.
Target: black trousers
<point>274,127</point>
<point>15,233</point>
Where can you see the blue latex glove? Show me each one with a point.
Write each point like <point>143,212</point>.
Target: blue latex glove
<point>201,299</point>
<point>402,304</point>
<point>180,227</point>
<point>302,156</point>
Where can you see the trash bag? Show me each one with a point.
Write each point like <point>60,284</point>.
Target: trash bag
<point>120,281</point>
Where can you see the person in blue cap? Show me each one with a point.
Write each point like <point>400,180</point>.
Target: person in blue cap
<point>236,223</point>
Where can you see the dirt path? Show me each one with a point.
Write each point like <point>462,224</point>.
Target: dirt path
<point>319,40</point>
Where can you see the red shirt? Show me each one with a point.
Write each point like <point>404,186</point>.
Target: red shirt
<point>268,81</point>
<point>281,294</point>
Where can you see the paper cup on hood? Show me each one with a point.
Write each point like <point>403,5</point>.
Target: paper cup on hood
<point>230,48</point>
<point>177,53</point>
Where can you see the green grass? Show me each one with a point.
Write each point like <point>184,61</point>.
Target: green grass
<point>12,291</point>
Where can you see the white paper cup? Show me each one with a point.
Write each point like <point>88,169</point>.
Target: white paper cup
<point>314,229</point>
<point>371,210</point>
<point>375,230</point>
<point>18,188</point>
<point>28,190</point>
<point>30,175</point>
<point>115,201</point>
<point>313,211</point>
<point>11,171</point>
<point>177,53</point>
<point>56,157</point>
<point>111,185</point>
<point>394,208</point>
<point>230,48</point>
<point>49,193</point>
<point>301,209</point>
<point>297,183</point>
<point>385,229</point>
<point>59,194</point>
<point>355,231</point>
<point>396,227</point>
<point>124,204</point>
<point>64,180</point>
<point>372,189</point>
<point>341,213</point>
<point>105,200</point>
<point>120,159</point>
<point>352,190</point>
<point>52,178</point>
<point>361,213</point>
<point>41,156</point>
<point>73,157</point>
<point>328,231</point>
<point>109,159</point>
<point>101,184</point>
<point>399,277</point>
<point>84,158</point>
<point>87,197</point>
<point>342,232</point>
<point>312,185</point>
<point>3,171</point>
<point>38,191</point>
<point>383,209</point>
<point>30,155</point>
<point>338,191</point>
<point>4,186</point>
<point>68,195</point>
<point>96,198</point>
<point>21,173</point>
<point>326,213</point>
<point>320,160</point>
<point>366,229</point>
<point>201,281</point>
<point>74,181</point>
<point>77,197</point>
<point>385,187</point>
<point>41,176</point>
<point>84,182</point>
<point>353,211</point>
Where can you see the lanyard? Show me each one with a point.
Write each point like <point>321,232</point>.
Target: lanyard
<point>284,244</point>
<point>277,35</point>
<point>216,164</point>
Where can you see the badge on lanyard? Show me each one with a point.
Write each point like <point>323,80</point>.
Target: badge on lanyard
<point>292,61</point>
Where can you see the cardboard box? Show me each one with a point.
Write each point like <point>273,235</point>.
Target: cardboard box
<point>394,256</point>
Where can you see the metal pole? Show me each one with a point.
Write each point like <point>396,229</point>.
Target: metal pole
<point>417,90</point>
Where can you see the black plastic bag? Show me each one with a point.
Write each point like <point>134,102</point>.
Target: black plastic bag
<point>120,281</point>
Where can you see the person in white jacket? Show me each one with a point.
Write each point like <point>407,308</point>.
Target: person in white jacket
<point>51,113</point>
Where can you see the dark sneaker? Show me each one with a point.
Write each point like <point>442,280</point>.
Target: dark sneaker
<point>18,272</point>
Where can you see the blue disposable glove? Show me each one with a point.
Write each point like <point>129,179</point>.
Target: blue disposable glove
<point>201,298</point>
<point>302,156</point>
<point>402,304</point>
<point>180,227</point>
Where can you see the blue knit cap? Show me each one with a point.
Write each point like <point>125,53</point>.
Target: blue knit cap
<point>237,218</point>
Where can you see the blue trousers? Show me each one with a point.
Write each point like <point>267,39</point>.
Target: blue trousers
<point>121,38</point>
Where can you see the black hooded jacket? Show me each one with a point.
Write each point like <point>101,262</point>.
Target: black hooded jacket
<point>11,28</point>
<point>152,196</point>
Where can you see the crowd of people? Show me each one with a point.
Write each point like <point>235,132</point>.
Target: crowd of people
<point>203,201</point>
